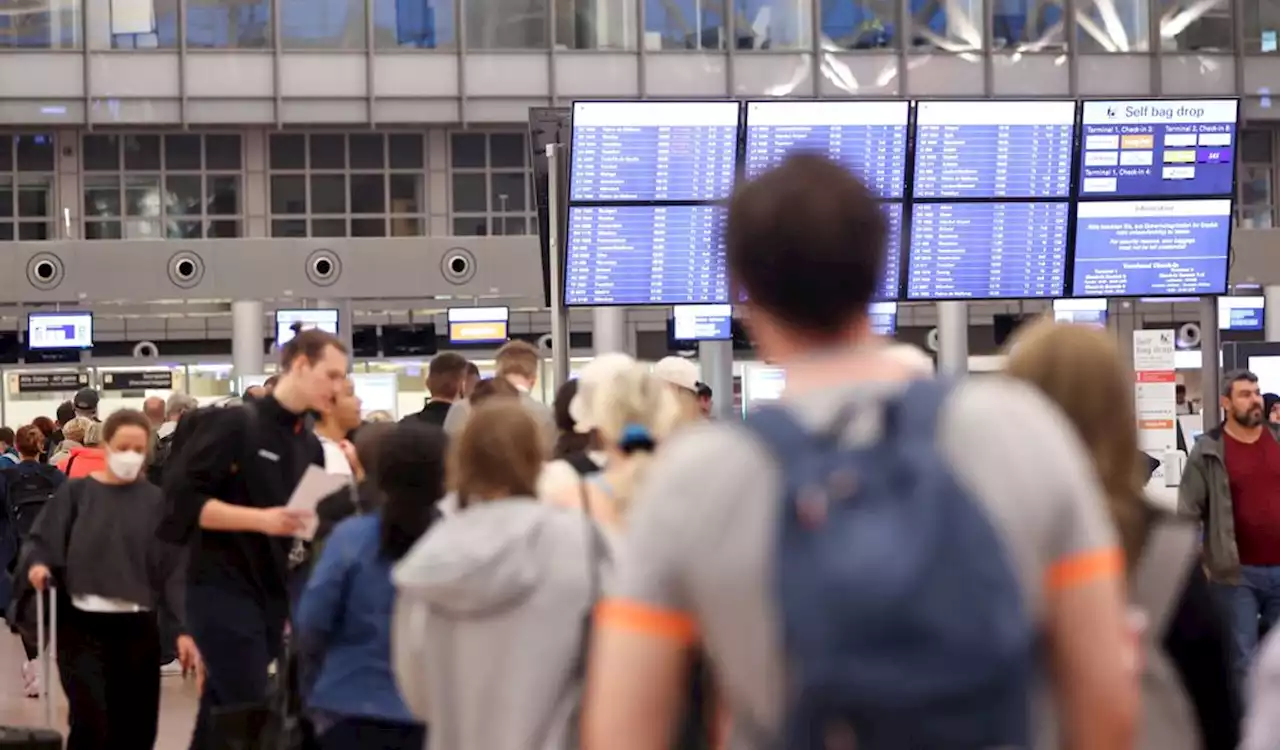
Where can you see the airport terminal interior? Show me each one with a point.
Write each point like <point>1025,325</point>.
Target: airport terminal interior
<point>184,181</point>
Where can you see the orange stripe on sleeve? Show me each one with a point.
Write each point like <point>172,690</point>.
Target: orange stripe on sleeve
<point>1085,567</point>
<point>642,618</point>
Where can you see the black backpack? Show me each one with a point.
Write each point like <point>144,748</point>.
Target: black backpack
<point>28,492</point>
<point>160,457</point>
<point>171,528</point>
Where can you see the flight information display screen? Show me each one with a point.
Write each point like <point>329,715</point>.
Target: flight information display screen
<point>1152,248</point>
<point>1155,149</point>
<point>703,322</point>
<point>653,151</point>
<point>1089,312</point>
<point>889,282</point>
<point>1241,313</point>
<point>994,149</point>
<point>69,330</point>
<point>645,255</point>
<point>987,250</point>
<point>868,138</point>
<point>883,317</point>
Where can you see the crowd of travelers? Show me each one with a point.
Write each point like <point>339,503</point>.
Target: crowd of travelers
<point>883,560</point>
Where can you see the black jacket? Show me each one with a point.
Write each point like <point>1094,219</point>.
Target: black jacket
<point>433,412</point>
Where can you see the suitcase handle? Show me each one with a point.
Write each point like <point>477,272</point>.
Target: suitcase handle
<point>45,650</point>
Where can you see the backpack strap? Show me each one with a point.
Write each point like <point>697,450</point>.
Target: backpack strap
<point>917,410</point>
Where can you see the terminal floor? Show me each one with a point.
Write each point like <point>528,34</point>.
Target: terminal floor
<point>177,700</point>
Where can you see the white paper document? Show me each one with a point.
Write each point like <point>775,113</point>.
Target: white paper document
<point>316,484</point>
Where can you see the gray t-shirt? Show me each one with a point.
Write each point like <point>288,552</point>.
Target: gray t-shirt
<point>460,412</point>
<point>699,554</point>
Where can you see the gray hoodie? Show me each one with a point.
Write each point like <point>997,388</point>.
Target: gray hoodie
<point>489,625</point>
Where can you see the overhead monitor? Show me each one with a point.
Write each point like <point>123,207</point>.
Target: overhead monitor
<point>890,280</point>
<point>703,322</point>
<point>1152,248</point>
<point>1241,313</point>
<point>994,149</point>
<point>478,325</point>
<point>60,330</point>
<point>867,137</point>
<point>987,250</point>
<point>1091,312</point>
<point>1159,148</point>
<point>645,255</point>
<point>884,318</point>
<point>377,391</point>
<point>324,318</point>
<point>653,151</point>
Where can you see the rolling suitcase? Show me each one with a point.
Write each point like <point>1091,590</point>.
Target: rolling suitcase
<point>46,737</point>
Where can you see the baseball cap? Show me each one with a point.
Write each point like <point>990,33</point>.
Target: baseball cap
<point>86,399</point>
<point>596,372</point>
<point>677,371</point>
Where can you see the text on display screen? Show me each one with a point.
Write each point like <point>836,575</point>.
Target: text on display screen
<point>868,138</point>
<point>1241,313</point>
<point>703,322</point>
<point>890,279</point>
<point>60,330</point>
<point>883,317</point>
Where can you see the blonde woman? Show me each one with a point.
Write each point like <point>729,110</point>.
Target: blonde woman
<point>1080,369</point>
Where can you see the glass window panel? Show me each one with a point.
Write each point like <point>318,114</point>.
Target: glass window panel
<point>223,229</point>
<point>1256,218</point>
<point>183,195</point>
<point>470,226</point>
<point>510,224</point>
<point>1196,25</point>
<point>1029,25</point>
<point>1120,26</point>
<point>288,194</point>
<point>406,151</point>
<point>229,24</point>
<point>6,232</point>
<point>142,229</point>
<point>141,24</point>
<point>328,227</point>
<point>101,196</point>
<point>1255,145</point>
<point>414,24</point>
<point>6,197</point>
<point>406,226</point>
<point>184,230</point>
<point>48,24</point>
<point>406,193</point>
<point>858,24</point>
<point>142,196</point>
<point>182,152</point>
<point>368,194</point>
<point>329,195</point>
<point>684,24</point>
<point>7,145</point>
<point>367,151</point>
<point>596,24</point>
<point>951,26</point>
<point>102,230</point>
<point>222,195</point>
<point>506,150</point>
<point>35,153</point>
<point>508,192</point>
<point>467,150</point>
<point>1255,186</point>
<point>101,153</point>
<point>288,151</point>
<point>327,24</point>
<point>1261,20</point>
<point>35,197</point>
<point>774,24</point>
<point>289,228</point>
<point>35,230</point>
<point>506,24</point>
<point>222,151</point>
<point>469,193</point>
<point>368,227</point>
<point>328,152</point>
<point>142,152</point>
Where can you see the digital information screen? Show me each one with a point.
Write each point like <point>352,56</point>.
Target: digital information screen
<point>884,318</point>
<point>1089,312</point>
<point>645,255</point>
<point>890,281</point>
<point>1161,148</point>
<point>703,322</point>
<point>987,250</point>
<point>1241,313</point>
<point>868,138</point>
<point>478,325</point>
<point>994,149</point>
<point>326,319</point>
<point>1152,248</point>
<point>653,151</point>
<point>72,330</point>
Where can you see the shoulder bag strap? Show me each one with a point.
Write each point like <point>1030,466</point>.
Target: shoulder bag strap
<point>71,460</point>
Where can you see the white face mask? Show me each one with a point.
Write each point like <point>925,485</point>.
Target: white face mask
<point>125,465</point>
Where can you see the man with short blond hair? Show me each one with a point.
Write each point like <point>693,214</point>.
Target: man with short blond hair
<point>517,362</point>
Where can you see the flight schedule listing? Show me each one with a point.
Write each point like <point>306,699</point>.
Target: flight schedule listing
<point>645,255</point>
<point>994,149</point>
<point>1153,149</point>
<point>1152,248</point>
<point>892,253</point>
<point>987,250</point>
<point>868,138</point>
<point>653,151</point>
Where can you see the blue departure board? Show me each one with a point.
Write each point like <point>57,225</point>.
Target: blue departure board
<point>702,322</point>
<point>1152,248</point>
<point>889,281</point>
<point>884,318</point>
<point>987,250</point>
<point>645,255</point>
<point>994,149</point>
<point>869,138</point>
<point>1241,313</point>
<point>653,151</point>
<point>1155,149</point>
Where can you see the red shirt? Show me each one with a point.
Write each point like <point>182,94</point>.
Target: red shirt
<point>1254,472</point>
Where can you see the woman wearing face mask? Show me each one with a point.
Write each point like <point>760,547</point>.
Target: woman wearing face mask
<point>96,539</point>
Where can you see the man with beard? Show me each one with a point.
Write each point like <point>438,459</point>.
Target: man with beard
<point>1232,485</point>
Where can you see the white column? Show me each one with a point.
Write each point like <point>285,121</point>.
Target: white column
<point>716,358</point>
<point>953,338</point>
<point>609,329</point>
<point>1209,376</point>
<point>1271,316</point>
<point>248,332</point>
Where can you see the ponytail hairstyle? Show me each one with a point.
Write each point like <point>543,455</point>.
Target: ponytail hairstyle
<point>633,412</point>
<point>410,476</point>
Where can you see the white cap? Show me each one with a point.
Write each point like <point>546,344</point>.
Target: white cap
<point>597,371</point>
<point>677,371</point>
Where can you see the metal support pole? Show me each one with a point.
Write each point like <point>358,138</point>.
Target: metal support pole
<point>559,314</point>
<point>953,338</point>
<point>716,358</point>
<point>609,330</point>
<point>248,332</point>
<point>1209,377</point>
<point>1271,313</point>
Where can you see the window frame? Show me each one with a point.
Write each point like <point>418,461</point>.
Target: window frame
<point>492,216</point>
